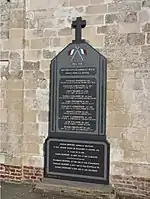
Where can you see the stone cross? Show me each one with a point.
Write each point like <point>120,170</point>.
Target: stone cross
<point>78,25</point>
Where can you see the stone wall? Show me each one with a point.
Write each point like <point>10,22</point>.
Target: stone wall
<point>38,30</point>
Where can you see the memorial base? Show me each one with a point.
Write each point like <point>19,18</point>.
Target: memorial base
<point>77,160</point>
<point>62,189</point>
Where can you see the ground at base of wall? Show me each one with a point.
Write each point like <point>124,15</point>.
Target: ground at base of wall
<point>11,190</point>
<point>27,191</point>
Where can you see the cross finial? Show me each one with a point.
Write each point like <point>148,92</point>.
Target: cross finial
<point>78,25</point>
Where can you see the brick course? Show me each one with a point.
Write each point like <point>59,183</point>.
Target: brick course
<point>126,186</point>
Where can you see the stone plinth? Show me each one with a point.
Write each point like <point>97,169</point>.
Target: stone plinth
<point>62,189</point>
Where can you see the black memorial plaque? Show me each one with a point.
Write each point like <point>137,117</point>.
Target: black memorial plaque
<point>77,104</point>
<point>81,160</point>
<point>76,147</point>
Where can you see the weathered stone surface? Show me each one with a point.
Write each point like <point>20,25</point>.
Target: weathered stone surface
<point>32,55</point>
<point>64,32</point>
<point>112,7</point>
<point>111,18</point>
<point>47,54</point>
<point>43,116</point>
<point>4,55</point>
<point>15,65</point>
<point>45,64</point>
<point>13,44</point>
<point>50,33</point>
<point>79,3</point>
<point>146,27</point>
<point>96,9</point>
<point>144,15</point>
<point>94,20</point>
<point>31,65</point>
<point>4,34</point>
<point>129,28</point>
<point>17,18</point>
<point>136,38</point>
<point>39,43</point>
<point>42,83</point>
<point>131,17</point>
<point>32,34</point>
<point>14,56</point>
<point>138,85</point>
<point>96,1</point>
<point>107,29</point>
<point>16,33</point>
<point>148,38</point>
<point>146,51</point>
<point>115,40</point>
<point>146,3</point>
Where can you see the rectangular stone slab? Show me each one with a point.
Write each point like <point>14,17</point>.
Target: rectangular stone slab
<point>77,160</point>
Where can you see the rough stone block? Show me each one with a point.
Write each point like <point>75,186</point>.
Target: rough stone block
<point>64,32</point>
<point>50,33</point>
<point>30,83</point>
<point>32,55</point>
<point>3,115</point>
<point>42,13</point>
<point>146,27</point>
<point>47,74</point>
<point>43,116</point>
<point>14,84</point>
<point>115,40</point>
<point>47,54</point>
<point>97,9</point>
<point>146,51</point>
<point>4,34</point>
<point>45,23</point>
<point>30,94</point>
<point>94,20</point>
<point>136,38</point>
<point>39,43</point>
<point>61,42</point>
<point>79,3</point>
<point>97,41</point>
<point>15,55</point>
<point>32,34</point>
<point>31,65</point>
<point>131,17</point>
<point>146,3</point>
<point>17,18</point>
<point>96,1</point>
<point>16,32</point>
<point>37,5</point>
<point>111,85</point>
<point>144,15</point>
<point>14,95</point>
<point>129,28</point>
<point>111,18</point>
<point>112,8</point>
<point>13,44</point>
<point>31,148</point>
<point>45,64</point>
<point>138,85</point>
<point>30,128</point>
<point>148,38</point>
<point>4,55</point>
<point>108,29</point>
<point>118,119</point>
<point>30,116</point>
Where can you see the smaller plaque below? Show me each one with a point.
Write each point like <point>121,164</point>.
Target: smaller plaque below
<point>77,160</point>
